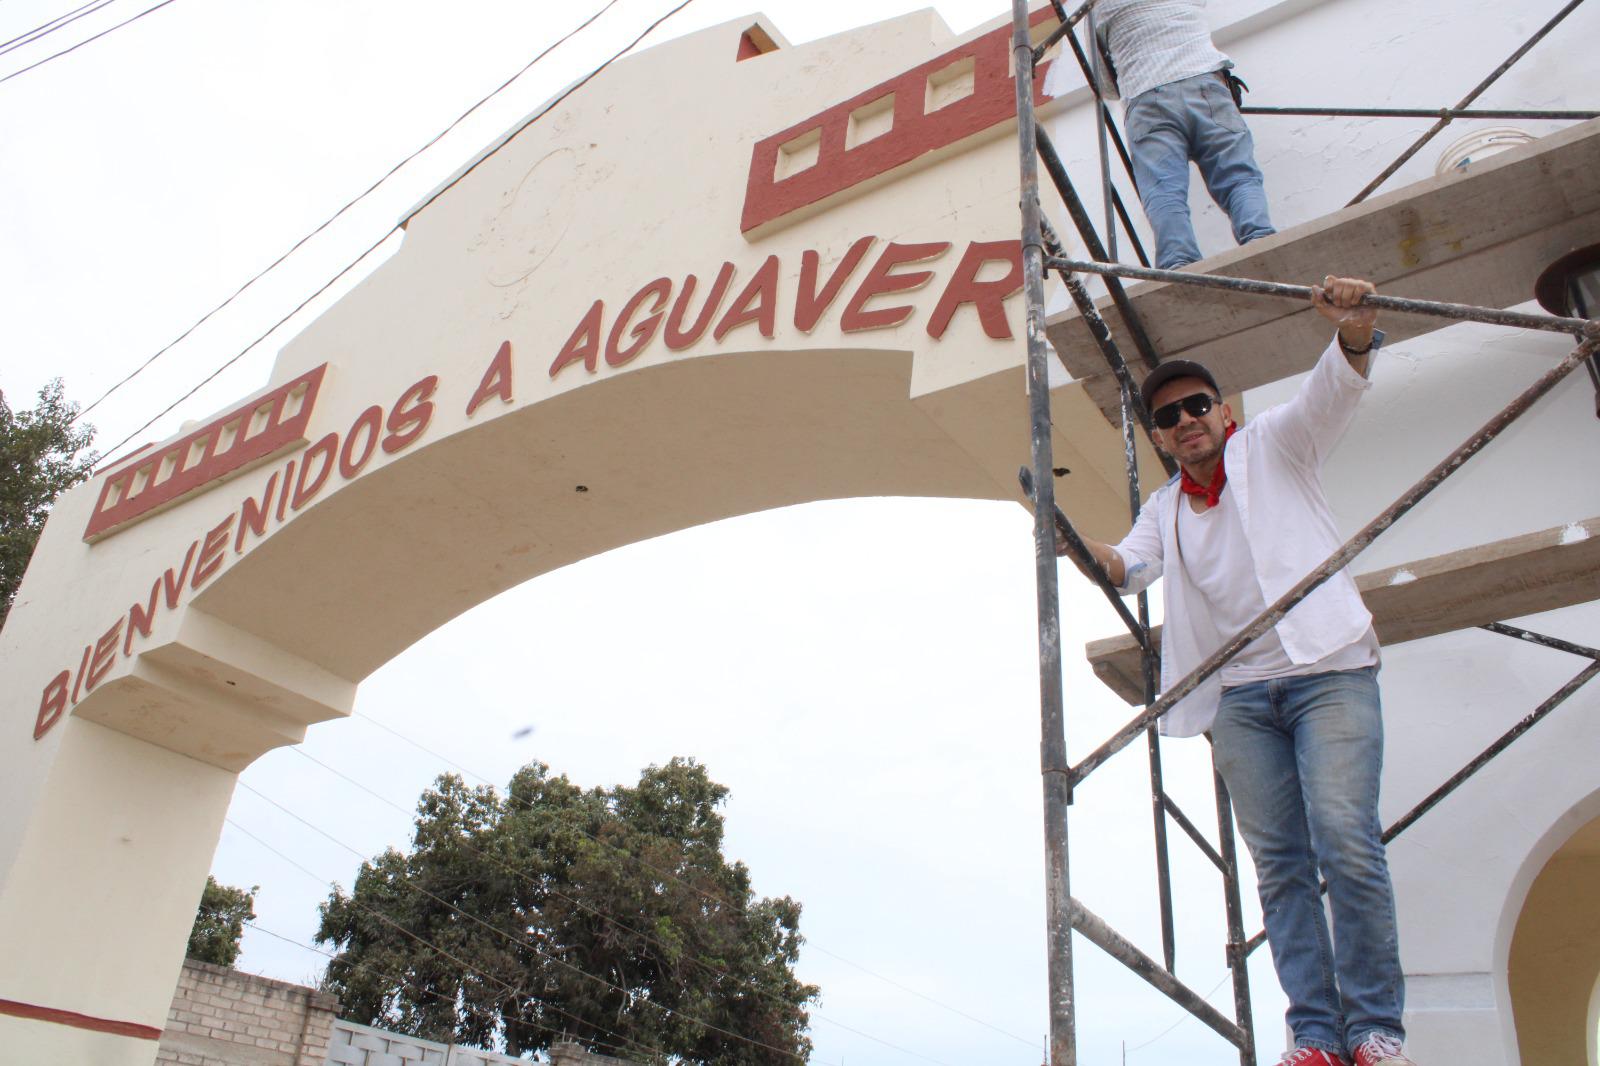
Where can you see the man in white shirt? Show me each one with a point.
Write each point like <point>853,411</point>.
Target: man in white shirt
<point>1180,107</point>
<point>1294,718</point>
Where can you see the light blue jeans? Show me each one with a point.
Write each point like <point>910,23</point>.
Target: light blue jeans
<point>1193,119</point>
<point>1301,757</point>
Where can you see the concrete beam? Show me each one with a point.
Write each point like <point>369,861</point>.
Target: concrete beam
<point>1479,237</point>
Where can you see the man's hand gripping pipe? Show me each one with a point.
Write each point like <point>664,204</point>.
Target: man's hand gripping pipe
<point>1088,563</point>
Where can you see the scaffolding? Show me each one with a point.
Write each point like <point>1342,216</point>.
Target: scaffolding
<point>1043,251</point>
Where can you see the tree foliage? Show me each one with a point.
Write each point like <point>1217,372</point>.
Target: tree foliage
<point>41,456</point>
<point>219,923</point>
<point>609,916</point>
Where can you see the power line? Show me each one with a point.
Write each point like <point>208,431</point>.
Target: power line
<point>330,220</point>
<point>619,923</point>
<point>574,87</point>
<point>705,893</point>
<point>523,941</point>
<point>512,990</point>
<point>86,40</point>
<point>1186,1017</point>
<point>38,32</point>
<point>403,982</point>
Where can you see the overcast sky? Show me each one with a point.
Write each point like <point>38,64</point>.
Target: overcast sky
<point>861,673</point>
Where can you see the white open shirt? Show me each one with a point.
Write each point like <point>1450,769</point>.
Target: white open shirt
<point>1274,466</point>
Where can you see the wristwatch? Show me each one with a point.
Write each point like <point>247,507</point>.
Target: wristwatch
<point>1374,345</point>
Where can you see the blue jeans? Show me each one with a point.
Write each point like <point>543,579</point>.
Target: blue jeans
<point>1193,119</point>
<point>1301,757</point>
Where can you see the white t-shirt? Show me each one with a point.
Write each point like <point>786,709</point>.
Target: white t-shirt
<point>1216,556</point>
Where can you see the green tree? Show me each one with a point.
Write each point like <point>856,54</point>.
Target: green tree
<point>219,923</point>
<point>607,915</point>
<point>41,456</point>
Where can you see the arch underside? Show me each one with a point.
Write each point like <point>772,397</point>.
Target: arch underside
<point>393,555</point>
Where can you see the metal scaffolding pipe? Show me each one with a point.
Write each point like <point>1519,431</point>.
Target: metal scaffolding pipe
<point>1506,740</point>
<point>1091,240</point>
<point>1234,907</point>
<point>1531,637</point>
<point>1462,312</point>
<point>1158,787</point>
<point>1341,558</point>
<point>1195,835</point>
<point>1066,22</point>
<point>1052,726</point>
<point>1108,347</point>
<point>1444,114</point>
<point>1086,561</point>
<point>1107,939</point>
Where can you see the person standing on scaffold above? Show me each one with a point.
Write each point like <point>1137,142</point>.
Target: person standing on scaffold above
<point>1294,718</point>
<point>1181,105</point>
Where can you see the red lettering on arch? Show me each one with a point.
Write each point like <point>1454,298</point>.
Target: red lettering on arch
<point>882,280</point>
<point>679,338</point>
<point>988,297</point>
<point>809,304</point>
<point>52,704</point>
<point>326,449</point>
<point>644,332</point>
<point>584,344</point>
<point>105,653</point>
<point>410,416</point>
<point>758,303</point>
<point>141,618</point>
<point>370,420</point>
<point>211,552</point>
<point>174,585</point>
<point>253,516</point>
<point>496,380</point>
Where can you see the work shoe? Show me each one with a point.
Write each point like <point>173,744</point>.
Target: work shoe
<point>1312,1056</point>
<point>1381,1049</point>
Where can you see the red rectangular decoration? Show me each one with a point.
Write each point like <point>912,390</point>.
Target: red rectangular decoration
<point>932,106</point>
<point>252,434</point>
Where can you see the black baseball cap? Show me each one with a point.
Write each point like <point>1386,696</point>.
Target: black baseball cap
<point>1168,371</point>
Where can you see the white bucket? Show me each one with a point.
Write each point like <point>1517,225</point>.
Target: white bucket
<point>1479,145</point>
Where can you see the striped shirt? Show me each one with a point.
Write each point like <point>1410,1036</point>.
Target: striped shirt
<point>1152,43</point>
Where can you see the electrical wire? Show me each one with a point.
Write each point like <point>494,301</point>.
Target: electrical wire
<point>1184,1018</point>
<point>435,139</point>
<point>523,941</point>
<point>574,87</point>
<point>603,916</point>
<point>39,32</point>
<point>86,40</point>
<point>402,982</point>
<point>708,895</point>
<point>513,990</point>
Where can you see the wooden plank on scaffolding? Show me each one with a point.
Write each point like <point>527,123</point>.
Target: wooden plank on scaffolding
<point>1492,582</point>
<point>1477,237</point>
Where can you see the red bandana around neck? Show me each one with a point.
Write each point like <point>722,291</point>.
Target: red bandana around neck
<point>1213,491</point>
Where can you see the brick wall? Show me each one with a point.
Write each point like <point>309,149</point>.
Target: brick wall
<point>221,1017</point>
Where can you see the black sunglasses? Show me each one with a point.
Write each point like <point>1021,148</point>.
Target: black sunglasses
<point>1199,405</point>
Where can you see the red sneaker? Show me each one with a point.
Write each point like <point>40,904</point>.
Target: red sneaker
<point>1312,1056</point>
<point>1381,1049</point>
